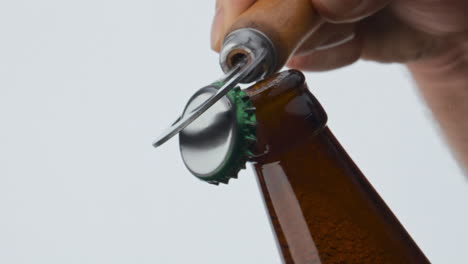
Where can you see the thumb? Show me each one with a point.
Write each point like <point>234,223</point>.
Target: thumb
<point>226,13</point>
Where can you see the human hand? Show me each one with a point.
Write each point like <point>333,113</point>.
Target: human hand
<point>381,30</point>
<point>429,36</point>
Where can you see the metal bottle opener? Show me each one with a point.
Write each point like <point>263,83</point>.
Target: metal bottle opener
<point>247,55</point>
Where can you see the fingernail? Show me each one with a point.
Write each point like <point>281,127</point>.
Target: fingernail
<point>217,26</point>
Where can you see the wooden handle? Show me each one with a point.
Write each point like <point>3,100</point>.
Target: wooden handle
<point>286,23</point>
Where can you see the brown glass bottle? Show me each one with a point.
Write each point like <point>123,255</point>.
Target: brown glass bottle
<point>322,209</point>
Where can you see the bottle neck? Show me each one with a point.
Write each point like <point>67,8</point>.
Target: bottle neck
<point>322,208</point>
<point>287,113</point>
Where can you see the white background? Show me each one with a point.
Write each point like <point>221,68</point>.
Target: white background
<point>85,86</point>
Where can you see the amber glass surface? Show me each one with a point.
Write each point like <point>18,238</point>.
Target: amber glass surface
<point>322,209</point>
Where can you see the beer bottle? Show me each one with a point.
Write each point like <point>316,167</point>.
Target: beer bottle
<point>321,207</point>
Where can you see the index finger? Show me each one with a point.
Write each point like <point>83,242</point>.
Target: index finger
<point>227,12</point>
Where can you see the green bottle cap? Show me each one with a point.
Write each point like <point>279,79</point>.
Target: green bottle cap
<point>217,145</point>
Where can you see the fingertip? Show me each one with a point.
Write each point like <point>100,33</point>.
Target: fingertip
<point>215,47</point>
<point>227,11</point>
<point>217,28</point>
